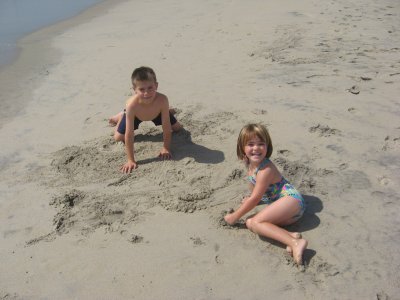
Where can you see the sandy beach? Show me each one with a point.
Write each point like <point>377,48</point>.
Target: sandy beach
<point>323,76</point>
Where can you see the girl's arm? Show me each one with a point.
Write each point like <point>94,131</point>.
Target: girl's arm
<point>263,180</point>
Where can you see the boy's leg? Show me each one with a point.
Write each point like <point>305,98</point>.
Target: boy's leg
<point>114,120</point>
<point>119,132</point>
<point>177,126</point>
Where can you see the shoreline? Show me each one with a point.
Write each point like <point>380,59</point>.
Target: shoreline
<point>34,56</point>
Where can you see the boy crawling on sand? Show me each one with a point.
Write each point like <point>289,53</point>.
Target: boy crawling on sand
<point>145,105</point>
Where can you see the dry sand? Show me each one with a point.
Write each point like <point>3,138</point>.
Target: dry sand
<point>323,75</point>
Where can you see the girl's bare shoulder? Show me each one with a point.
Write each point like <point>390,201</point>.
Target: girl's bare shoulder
<point>268,172</point>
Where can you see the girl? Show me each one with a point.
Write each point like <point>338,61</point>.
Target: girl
<point>285,205</point>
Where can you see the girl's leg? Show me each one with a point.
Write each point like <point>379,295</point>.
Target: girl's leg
<point>295,235</point>
<point>281,212</point>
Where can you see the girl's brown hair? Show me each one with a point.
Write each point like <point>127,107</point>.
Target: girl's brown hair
<point>248,132</point>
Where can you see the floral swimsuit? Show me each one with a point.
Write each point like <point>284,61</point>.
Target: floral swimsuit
<point>278,190</point>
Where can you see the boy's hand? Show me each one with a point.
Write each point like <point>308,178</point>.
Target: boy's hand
<point>165,154</point>
<point>128,167</point>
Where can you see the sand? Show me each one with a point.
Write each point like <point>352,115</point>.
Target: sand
<point>323,76</point>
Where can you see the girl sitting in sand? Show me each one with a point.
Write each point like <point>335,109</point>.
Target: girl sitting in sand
<point>285,205</point>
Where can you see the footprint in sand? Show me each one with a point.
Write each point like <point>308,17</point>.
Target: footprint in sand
<point>324,130</point>
<point>382,296</point>
<point>355,90</point>
<point>260,112</point>
<point>284,152</point>
<point>134,239</point>
<point>383,180</point>
<point>354,111</point>
<point>391,143</point>
<point>197,241</point>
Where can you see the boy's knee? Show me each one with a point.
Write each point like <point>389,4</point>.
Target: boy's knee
<point>118,137</point>
<point>176,127</point>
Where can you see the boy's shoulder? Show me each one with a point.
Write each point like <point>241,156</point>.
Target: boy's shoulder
<point>161,97</point>
<point>134,101</point>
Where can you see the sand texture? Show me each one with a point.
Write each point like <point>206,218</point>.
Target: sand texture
<point>323,76</point>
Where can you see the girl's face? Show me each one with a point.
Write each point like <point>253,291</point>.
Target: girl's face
<point>146,90</point>
<point>255,150</point>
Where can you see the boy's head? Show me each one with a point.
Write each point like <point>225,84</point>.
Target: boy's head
<point>143,74</point>
<point>250,131</point>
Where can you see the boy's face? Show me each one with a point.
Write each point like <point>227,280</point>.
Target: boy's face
<point>146,90</point>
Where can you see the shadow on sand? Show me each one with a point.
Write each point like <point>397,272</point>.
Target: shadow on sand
<point>182,146</point>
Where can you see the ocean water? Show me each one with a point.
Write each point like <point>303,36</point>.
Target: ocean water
<point>21,17</point>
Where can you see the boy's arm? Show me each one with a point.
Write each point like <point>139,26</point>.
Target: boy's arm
<point>165,152</point>
<point>129,139</point>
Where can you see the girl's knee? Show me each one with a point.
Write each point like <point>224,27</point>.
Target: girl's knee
<point>249,223</point>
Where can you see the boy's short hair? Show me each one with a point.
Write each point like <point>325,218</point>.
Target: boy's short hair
<point>248,132</point>
<point>143,74</point>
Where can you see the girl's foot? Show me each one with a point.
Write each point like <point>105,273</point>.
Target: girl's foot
<point>296,235</point>
<point>298,249</point>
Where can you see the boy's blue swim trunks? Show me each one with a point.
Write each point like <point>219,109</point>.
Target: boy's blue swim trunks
<point>157,121</point>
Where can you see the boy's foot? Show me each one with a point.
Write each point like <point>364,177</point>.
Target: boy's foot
<point>113,121</point>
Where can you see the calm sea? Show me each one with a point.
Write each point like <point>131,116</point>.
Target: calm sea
<point>21,17</point>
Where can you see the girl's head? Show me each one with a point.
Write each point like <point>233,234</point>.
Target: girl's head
<point>249,132</point>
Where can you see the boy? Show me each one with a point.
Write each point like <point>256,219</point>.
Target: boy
<point>145,105</point>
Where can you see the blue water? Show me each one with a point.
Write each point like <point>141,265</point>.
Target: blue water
<point>21,17</point>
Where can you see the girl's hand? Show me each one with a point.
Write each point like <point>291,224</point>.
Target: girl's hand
<point>230,219</point>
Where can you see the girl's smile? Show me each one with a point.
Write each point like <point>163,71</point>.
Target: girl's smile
<point>255,150</point>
